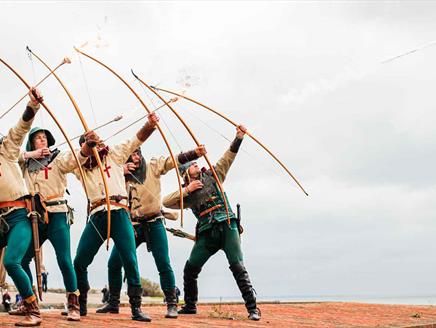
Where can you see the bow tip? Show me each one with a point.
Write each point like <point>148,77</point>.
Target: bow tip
<point>133,73</point>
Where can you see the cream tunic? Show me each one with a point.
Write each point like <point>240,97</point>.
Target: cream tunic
<point>114,171</point>
<point>12,184</point>
<point>146,197</point>
<point>51,185</point>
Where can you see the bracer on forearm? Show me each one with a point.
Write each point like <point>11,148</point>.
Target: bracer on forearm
<point>145,132</point>
<point>187,156</point>
<point>29,112</point>
<point>234,146</point>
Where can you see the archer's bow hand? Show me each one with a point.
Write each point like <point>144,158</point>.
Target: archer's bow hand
<point>200,150</point>
<point>241,130</point>
<point>236,143</point>
<point>148,127</point>
<point>91,140</point>
<point>153,119</point>
<point>33,105</point>
<point>35,97</point>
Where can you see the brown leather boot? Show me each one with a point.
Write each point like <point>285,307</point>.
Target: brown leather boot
<point>20,310</point>
<point>73,307</point>
<point>33,316</point>
<point>35,293</point>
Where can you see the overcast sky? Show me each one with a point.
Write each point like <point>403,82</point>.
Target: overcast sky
<point>307,80</point>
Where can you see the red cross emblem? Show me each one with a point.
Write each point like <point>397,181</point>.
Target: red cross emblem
<point>106,169</point>
<point>46,169</point>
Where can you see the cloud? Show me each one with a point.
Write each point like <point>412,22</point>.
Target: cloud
<point>323,86</point>
<point>306,81</point>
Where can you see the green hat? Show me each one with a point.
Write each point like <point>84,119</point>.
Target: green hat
<point>50,140</point>
<point>183,168</point>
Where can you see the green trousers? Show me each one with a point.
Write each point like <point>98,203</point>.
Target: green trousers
<point>158,244</point>
<point>57,231</point>
<point>124,239</point>
<point>19,237</point>
<point>210,241</point>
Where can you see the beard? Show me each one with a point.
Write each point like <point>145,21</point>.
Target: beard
<point>139,173</point>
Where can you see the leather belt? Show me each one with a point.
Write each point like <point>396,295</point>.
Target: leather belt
<point>45,202</point>
<point>20,203</point>
<point>114,200</point>
<point>147,218</point>
<point>213,208</point>
<point>14,203</point>
<point>55,202</point>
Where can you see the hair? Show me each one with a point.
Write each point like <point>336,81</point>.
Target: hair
<point>81,140</point>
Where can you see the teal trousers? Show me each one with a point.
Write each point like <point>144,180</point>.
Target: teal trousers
<point>123,236</point>
<point>159,248</point>
<point>19,237</point>
<point>57,231</point>
<point>210,241</point>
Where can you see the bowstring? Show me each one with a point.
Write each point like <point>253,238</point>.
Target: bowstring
<point>32,64</point>
<point>95,122</point>
<point>258,159</point>
<point>180,148</point>
<point>161,116</point>
<point>85,81</point>
<point>168,128</point>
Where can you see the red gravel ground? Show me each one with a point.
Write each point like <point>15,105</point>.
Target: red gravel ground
<point>273,315</point>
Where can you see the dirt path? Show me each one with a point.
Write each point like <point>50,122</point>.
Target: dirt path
<point>311,315</point>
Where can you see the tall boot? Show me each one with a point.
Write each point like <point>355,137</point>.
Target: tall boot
<point>190,276</point>
<point>113,304</point>
<point>32,317</point>
<point>135,298</point>
<point>247,291</point>
<point>73,307</point>
<point>171,300</point>
<point>83,298</point>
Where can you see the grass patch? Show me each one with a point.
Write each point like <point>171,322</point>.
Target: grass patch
<point>219,313</point>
